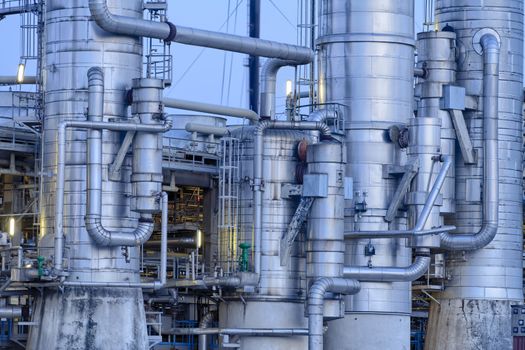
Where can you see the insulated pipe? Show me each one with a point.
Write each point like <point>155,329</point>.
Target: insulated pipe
<point>10,311</point>
<point>489,228</point>
<point>320,115</point>
<point>268,85</point>
<point>210,108</point>
<point>258,171</point>
<point>251,332</point>
<point>205,323</point>
<point>228,281</point>
<point>391,274</point>
<point>316,305</point>
<point>13,80</point>
<point>423,216</point>
<point>93,219</point>
<point>207,129</point>
<point>196,37</point>
<point>163,273</point>
<point>61,167</point>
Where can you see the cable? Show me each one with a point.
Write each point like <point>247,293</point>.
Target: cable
<point>282,13</point>
<point>202,51</point>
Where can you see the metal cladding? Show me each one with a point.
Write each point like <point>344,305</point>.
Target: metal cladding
<point>366,63</point>
<point>300,232</point>
<point>74,44</point>
<point>491,276</point>
<point>282,289</point>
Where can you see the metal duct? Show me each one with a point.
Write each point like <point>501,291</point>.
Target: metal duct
<point>316,305</point>
<point>491,51</point>
<point>268,85</point>
<point>197,37</point>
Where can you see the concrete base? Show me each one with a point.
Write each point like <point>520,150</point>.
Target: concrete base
<point>265,314</point>
<point>89,319</point>
<point>367,331</point>
<point>461,324</point>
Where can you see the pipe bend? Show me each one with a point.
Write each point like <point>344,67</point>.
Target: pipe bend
<point>489,228</point>
<point>105,237</point>
<point>389,274</point>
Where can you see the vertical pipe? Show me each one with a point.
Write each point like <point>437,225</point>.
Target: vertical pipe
<point>164,239</point>
<point>253,61</point>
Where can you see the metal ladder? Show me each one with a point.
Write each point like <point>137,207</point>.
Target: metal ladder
<point>158,59</point>
<point>229,204</point>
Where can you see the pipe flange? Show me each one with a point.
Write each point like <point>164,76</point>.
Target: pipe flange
<point>476,39</point>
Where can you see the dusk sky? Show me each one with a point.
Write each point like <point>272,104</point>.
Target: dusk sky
<point>198,73</point>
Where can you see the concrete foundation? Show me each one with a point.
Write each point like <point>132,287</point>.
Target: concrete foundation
<point>89,319</point>
<point>462,324</point>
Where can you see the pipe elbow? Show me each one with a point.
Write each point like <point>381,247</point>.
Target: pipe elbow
<point>96,231</point>
<point>107,238</point>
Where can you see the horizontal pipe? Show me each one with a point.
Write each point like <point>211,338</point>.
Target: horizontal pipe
<point>398,233</point>
<point>210,108</point>
<point>207,282</point>
<point>196,37</point>
<point>391,274</point>
<point>177,242</point>
<point>145,285</point>
<point>10,311</point>
<point>316,305</point>
<point>489,228</point>
<point>253,332</point>
<point>13,80</point>
<point>207,129</point>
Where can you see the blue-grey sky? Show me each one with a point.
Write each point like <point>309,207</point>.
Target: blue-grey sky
<point>198,73</point>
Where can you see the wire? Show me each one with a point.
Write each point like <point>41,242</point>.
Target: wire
<point>225,53</point>
<point>282,13</point>
<point>203,49</point>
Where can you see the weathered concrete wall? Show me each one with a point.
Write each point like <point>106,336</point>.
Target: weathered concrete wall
<point>461,324</point>
<point>89,319</point>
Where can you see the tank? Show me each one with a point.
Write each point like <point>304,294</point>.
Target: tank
<point>111,318</point>
<point>279,301</point>
<point>366,62</point>
<point>474,311</point>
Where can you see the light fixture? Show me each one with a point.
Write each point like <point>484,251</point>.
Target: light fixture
<point>199,239</point>
<point>12,227</point>
<point>289,88</point>
<point>20,73</point>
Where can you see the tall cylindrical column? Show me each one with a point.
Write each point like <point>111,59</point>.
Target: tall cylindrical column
<point>366,63</point>
<point>74,44</point>
<point>474,310</point>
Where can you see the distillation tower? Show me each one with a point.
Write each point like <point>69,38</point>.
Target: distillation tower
<point>255,229</point>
